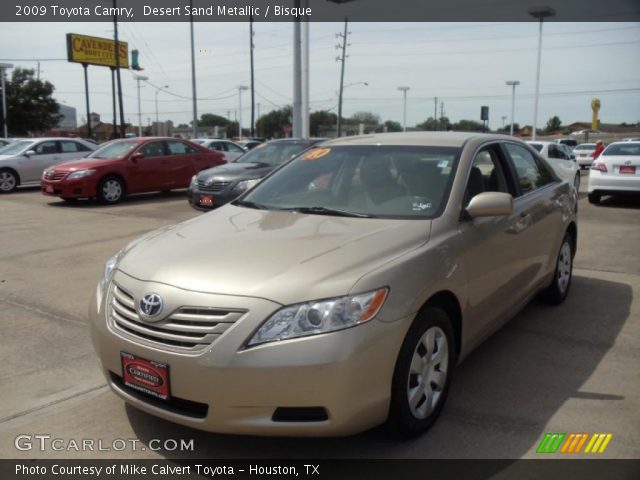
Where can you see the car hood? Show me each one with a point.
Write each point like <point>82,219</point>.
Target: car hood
<point>285,257</point>
<point>82,164</point>
<point>235,170</point>
<point>7,157</point>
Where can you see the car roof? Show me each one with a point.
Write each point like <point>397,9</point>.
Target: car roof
<point>427,139</point>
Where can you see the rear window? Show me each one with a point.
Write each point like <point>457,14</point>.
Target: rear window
<point>537,146</point>
<point>586,146</point>
<point>622,149</point>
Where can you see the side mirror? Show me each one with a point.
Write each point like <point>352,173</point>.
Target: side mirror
<point>490,204</point>
<point>136,156</point>
<point>28,153</point>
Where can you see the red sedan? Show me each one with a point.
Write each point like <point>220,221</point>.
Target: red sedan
<point>128,166</point>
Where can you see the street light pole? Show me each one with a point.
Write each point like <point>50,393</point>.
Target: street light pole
<point>140,78</point>
<point>158,121</point>
<point>539,13</point>
<point>404,110</point>
<point>240,89</point>
<point>3,67</point>
<point>513,84</point>
<point>194,130</point>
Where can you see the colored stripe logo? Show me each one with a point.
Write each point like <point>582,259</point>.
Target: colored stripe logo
<point>572,443</point>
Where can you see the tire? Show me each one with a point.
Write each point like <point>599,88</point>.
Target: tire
<point>594,198</point>
<point>558,289</point>
<point>576,181</point>
<point>111,190</point>
<point>414,410</point>
<point>8,180</point>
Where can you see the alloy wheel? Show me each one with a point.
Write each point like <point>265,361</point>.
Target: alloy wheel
<point>112,190</point>
<point>564,267</point>
<point>7,181</point>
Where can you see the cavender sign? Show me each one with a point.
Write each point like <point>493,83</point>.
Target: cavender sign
<point>96,51</point>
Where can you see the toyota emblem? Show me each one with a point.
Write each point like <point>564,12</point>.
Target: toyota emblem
<point>151,305</point>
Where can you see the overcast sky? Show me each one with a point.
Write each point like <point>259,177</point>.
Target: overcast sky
<point>465,65</point>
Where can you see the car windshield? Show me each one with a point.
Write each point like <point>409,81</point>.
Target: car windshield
<point>361,181</point>
<point>622,149</point>
<point>586,146</point>
<point>537,146</point>
<point>273,154</point>
<point>117,149</point>
<point>16,147</point>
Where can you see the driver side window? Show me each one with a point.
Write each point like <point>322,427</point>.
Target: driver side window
<point>46,148</point>
<point>153,149</point>
<point>486,174</point>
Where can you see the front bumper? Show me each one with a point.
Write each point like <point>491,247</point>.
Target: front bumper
<point>346,373</point>
<point>81,188</point>
<point>196,197</point>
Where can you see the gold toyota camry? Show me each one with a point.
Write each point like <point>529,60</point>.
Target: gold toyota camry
<point>341,291</point>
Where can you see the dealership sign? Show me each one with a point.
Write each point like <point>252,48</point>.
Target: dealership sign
<point>96,51</point>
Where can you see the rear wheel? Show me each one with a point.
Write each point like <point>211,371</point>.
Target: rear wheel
<point>422,374</point>
<point>110,190</point>
<point>594,198</point>
<point>8,181</point>
<point>558,290</point>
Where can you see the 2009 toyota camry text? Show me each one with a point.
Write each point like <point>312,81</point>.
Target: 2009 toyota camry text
<point>341,291</point>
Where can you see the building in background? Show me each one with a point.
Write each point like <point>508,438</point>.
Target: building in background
<point>68,120</point>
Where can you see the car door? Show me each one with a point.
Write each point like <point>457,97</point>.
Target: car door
<point>147,174</point>
<point>72,150</point>
<point>493,259</point>
<point>45,155</point>
<point>180,164</point>
<point>561,162</point>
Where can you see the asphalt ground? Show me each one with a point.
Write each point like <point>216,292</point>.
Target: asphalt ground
<point>572,368</point>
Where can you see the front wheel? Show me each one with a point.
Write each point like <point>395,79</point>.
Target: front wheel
<point>110,190</point>
<point>8,181</point>
<point>558,290</point>
<point>576,181</point>
<point>422,374</point>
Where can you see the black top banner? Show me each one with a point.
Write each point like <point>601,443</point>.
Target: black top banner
<point>319,10</point>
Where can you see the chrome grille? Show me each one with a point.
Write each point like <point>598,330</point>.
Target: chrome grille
<point>186,329</point>
<point>55,176</point>
<point>213,187</point>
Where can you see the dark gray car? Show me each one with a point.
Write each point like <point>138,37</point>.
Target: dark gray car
<point>216,186</point>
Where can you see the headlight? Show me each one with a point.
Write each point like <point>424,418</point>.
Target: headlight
<point>313,318</point>
<point>245,185</point>
<point>46,172</point>
<point>81,174</point>
<point>109,268</point>
<point>192,184</point>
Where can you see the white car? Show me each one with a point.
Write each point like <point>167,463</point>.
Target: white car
<point>565,166</point>
<point>617,170</point>
<point>23,161</point>
<point>230,150</point>
<point>4,142</point>
<point>584,154</point>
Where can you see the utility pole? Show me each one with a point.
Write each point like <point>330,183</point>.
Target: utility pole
<point>442,126</point>
<point>342,59</point>
<point>404,108</point>
<point>194,130</point>
<point>253,93</point>
<point>140,78</point>
<point>435,113</point>
<point>118,78</point>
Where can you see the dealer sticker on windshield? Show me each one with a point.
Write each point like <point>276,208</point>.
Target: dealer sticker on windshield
<point>316,153</point>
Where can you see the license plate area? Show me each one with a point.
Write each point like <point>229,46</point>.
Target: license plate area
<point>146,376</point>
<point>48,189</point>
<point>627,169</point>
<point>206,200</point>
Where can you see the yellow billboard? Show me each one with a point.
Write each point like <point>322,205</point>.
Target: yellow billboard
<point>95,50</point>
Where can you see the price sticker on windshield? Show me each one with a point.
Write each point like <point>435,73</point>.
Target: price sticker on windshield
<point>316,153</point>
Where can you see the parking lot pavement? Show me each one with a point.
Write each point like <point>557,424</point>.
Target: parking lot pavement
<point>572,368</point>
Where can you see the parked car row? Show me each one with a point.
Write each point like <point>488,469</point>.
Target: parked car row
<point>561,158</point>
<point>616,171</point>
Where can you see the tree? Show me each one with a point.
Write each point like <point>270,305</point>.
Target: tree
<point>553,124</point>
<point>391,126</point>
<point>272,123</point>
<point>468,126</point>
<point>321,118</point>
<point>211,120</point>
<point>367,118</point>
<point>30,106</point>
<point>442,124</point>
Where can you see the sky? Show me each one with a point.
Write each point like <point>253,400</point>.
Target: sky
<point>464,65</point>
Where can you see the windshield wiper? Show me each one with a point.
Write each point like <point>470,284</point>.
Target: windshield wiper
<point>329,211</point>
<point>246,203</point>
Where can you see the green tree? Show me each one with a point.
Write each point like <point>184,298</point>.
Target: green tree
<point>391,126</point>
<point>272,123</point>
<point>468,126</point>
<point>30,106</point>
<point>368,118</point>
<point>321,118</point>
<point>212,120</point>
<point>553,124</point>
